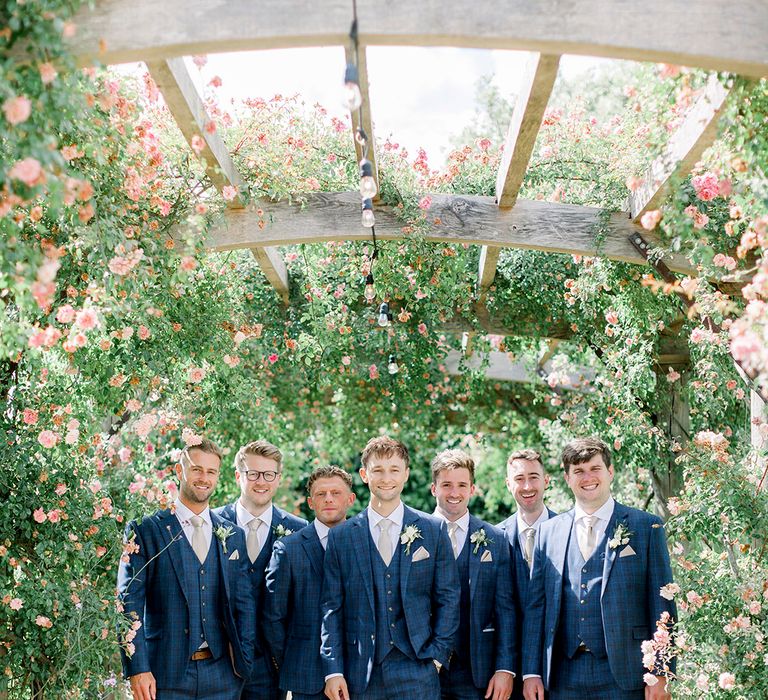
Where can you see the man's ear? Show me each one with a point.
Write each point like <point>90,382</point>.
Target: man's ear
<point>363,475</point>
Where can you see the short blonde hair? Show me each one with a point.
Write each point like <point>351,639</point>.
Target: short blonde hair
<point>452,459</point>
<point>207,446</point>
<point>384,446</point>
<point>260,448</point>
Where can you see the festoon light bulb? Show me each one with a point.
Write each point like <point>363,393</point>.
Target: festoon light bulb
<point>352,97</point>
<point>368,218</point>
<point>384,314</point>
<point>368,187</point>
<point>392,366</point>
<point>370,292</point>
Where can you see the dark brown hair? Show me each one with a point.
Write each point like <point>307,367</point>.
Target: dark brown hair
<point>452,459</point>
<point>582,450</point>
<point>384,446</point>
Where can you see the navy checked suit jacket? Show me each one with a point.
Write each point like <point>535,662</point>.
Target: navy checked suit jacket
<point>630,600</point>
<point>429,588</point>
<point>291,616</point>
<point>493,620</point>
<point>152,587</point>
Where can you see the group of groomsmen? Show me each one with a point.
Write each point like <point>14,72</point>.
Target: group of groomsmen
<point>248,601</point>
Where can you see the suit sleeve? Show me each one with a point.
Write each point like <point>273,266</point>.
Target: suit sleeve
<point>131,591</point>
<point>506,616</point>
<point>275,611</point>
<point>332,631</point>
<point>659,574</point>
<point>244,608</point>
<point>446,597</point>
<point>534,617</point>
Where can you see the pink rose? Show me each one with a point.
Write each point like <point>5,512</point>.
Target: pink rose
<point>197,144</point>
<point>87,319</point>
<point>17,109</point>
<point>48,438</point>
<point>190,437</point>
<point>346,360</point>
<point>272,358</point>
<point>16,604</point>
<point>39,515</point>
<point>65,314</point>
<point>727,681</point>
<point>373,372</point>
<point>612,317</point>
<point>706,186</point>
<point>144,333</point>
<point>188,263</point>
<point>422,328</point>
<point>43,621</point>
<point>29,171</point>
<point>47,73</point>
<point>61,489</point>
<point>54,515</point>
<point>229,193</point>
<point>195,375</point>
<point>650,220</point>
<point>30,416</point>
<point>700,220</point>
<point>425,203</point>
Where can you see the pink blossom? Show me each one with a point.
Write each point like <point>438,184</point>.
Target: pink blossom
<point>373,372</point>
<point>188,263</point>
<point>71,437</point>
<point>43,621</point>
<point>48,438</point>
<point>144,333</point>
<point>650,220</point>
<point>229,193</point>
<point>87,319</point>
<point>725,261</point>
<point>29,171</point>
<point>272,358</point>
<point>47,73</point>
<point>54,515</point>
<point>231,360</point>
<point>16,604</point>
<point>672,375</point>
<point>745,346</point>
<point>215,81</point>
<point>668,70</point>
<point>17,109</point>
<point>422,328</point>
<point>612,317</point>
<point>198,144</point>
<point>669,591</point>
<point>425,203</point>
<point>144,425</point>
<point>190,437</point>
<point>702,682</point>
<point>30,416</point>
<point>39,515</point>
<point>706,186</point>
<point>724,187</point>
<point>61,489</point>
<point>700,220</point>
<point>195,375</point>
<point>727,681</point>
<point>101,551</point>
<point>133,405</point>
<point>346,360</point>
<point>65,314</point>
<point>200,60</point>
<point>95,486</point>
<point>127,333</point>
<point>125,454</point>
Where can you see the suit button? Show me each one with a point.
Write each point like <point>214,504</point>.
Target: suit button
<point>392,625</point>
<point>583,571</point>
<point>389,575</point>
<point>186,631</point>
<point>390,609</point>
<point>583,601</point>
<point>373,637</point>
<point>389,592</point>
<point>202,588</point>
<point>203,604</point>
<point>202,571</point>
<point>202,637</point>
<point>583,585</point>
<point>391,643</point>
<point>582,619</point>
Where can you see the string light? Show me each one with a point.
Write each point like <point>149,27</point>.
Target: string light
<point>392,366</point>
<point>353,98</point>
<point>370,292</point>
<point>384,315</point>
<point>368,187</point>
<point>368,218</point>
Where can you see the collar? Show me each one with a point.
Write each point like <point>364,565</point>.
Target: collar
<point>522,526</point>
<point>603,513</point>
<point>184,514</point>
<point>396,516</point>
<point>244,516</point>
<point>462,522</point>
<point>322,530</point>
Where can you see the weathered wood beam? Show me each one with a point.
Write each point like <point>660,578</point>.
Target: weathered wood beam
<point>531,225</point>
<point>115,31</point>
<point>367,122</point>
<point>685,147</point>
<point>180,93</point>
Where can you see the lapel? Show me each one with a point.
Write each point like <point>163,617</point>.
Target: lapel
<point>278,516</point>
<point>560,539</point>
<point>313,548</point>
<point>362,556</point>
<point>172,534</point>
<point>474,559</point>
<point>410,517</point>
<point>620,514</point>
<point>216,522</point>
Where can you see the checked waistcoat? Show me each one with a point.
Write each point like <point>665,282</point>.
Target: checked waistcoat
<point>462,637</point>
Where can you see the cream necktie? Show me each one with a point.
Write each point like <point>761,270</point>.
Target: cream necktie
<point>198,538</point>
<point>530,538</point>
<point>452,527</point>
<point>252,544</point>
<point>385,541</point>
<point>589,538</point>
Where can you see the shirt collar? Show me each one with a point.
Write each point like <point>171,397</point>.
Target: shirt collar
<point>603,513</point>
<point>322,530</point>
<point>244,516</point>
<point>462,522</point>
<point>395,516</point>
<point>184,514</point>
<point>522,526</point>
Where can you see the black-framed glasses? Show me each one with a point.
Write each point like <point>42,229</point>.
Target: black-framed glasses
<point>253,475</point>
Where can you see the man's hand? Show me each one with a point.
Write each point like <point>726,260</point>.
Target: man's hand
<point>658,691</point>
<point>143,686</point>
<point>336,688</point>
<point>500,687</point>
<point>533,688</point>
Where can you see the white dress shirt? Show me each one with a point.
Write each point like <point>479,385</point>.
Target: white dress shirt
<point>184,516</point>
<point>395,516</point>
<point>601,518</point>
<point>244,517</point>
<point>522,526</point>
<point>322,532</point>
<point>462,529</point>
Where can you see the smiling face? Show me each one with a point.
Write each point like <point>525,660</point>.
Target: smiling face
<point>198,475</point>
<point>452,488</point>
<point>330,499</point>
<point>527,482</point>
<point>590,482</point>
<point>256,496</point>
<point>386,476</point>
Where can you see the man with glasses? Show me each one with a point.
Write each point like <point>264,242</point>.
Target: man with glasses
<point>180,583</point>
<point>258,466</point>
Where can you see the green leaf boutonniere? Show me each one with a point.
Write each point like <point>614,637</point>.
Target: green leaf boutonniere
<point>282,531</point>
<point>620,537</point>
<point>409,536</point>
<point>479,539</point>
<point>224,533</point>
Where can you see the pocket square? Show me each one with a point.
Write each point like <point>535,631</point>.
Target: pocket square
<point>420,554</point>
<point>487,556</point>
<point>234,556</point>
<point>627,552</point>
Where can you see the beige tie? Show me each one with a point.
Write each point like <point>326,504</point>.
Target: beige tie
<point>589,540</point>
<point>385,542</point>
<point>452,527</point>
<point>252,544</point>
<point>198,538</point>
<point>530,538</point>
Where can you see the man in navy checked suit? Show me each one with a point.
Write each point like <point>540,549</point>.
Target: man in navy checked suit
<point>595,591</point>
<point>526,481</point>
<point>258,466</point>
<point>391,592</point>
<point>292,617</point>
<point>180,582</point>
<point>484,647</point>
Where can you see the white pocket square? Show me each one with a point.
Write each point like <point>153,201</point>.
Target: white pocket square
<point>487,556</point>
<point>420,554</point>
<point>234,556</point>
<point>627,552</point>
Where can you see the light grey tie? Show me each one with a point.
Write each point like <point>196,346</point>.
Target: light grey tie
<point>452,527</point>
<point>252,544</point>
<point>589,539</point>
<point>198,538</point>
<point>385,541</point>
<point>530,538</point>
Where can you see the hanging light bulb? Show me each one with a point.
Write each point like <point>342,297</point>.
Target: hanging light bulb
<point>368,218</point>
<point>370,292</point>
<point>352,95</point>
<point>384,314</point>
<point>368,187</point>
<point>392,366</point>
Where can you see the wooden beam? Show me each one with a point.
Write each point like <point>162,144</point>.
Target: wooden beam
<point>531,225</point>
<point>180,93</point>
<point>732,39</point>
<point>686,146</point>
<point>489,260</point>
<point>367,123</point>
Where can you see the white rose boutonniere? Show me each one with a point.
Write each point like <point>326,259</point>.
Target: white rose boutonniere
<point>620,537</point>
<point>409,536</point>
<point>479,539</point>
<point>224,533</point>
<point>282,531</point>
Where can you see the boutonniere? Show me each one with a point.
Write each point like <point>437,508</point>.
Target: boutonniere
<point>223,533</point>
<point>479,539</point>
<point>409,536</point>
<point>281,531</point>
<point>620,537</point>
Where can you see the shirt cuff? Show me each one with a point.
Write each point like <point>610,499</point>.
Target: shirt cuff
<point>504,670</point>
<point>531,675</point>
<point>333,675</point>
